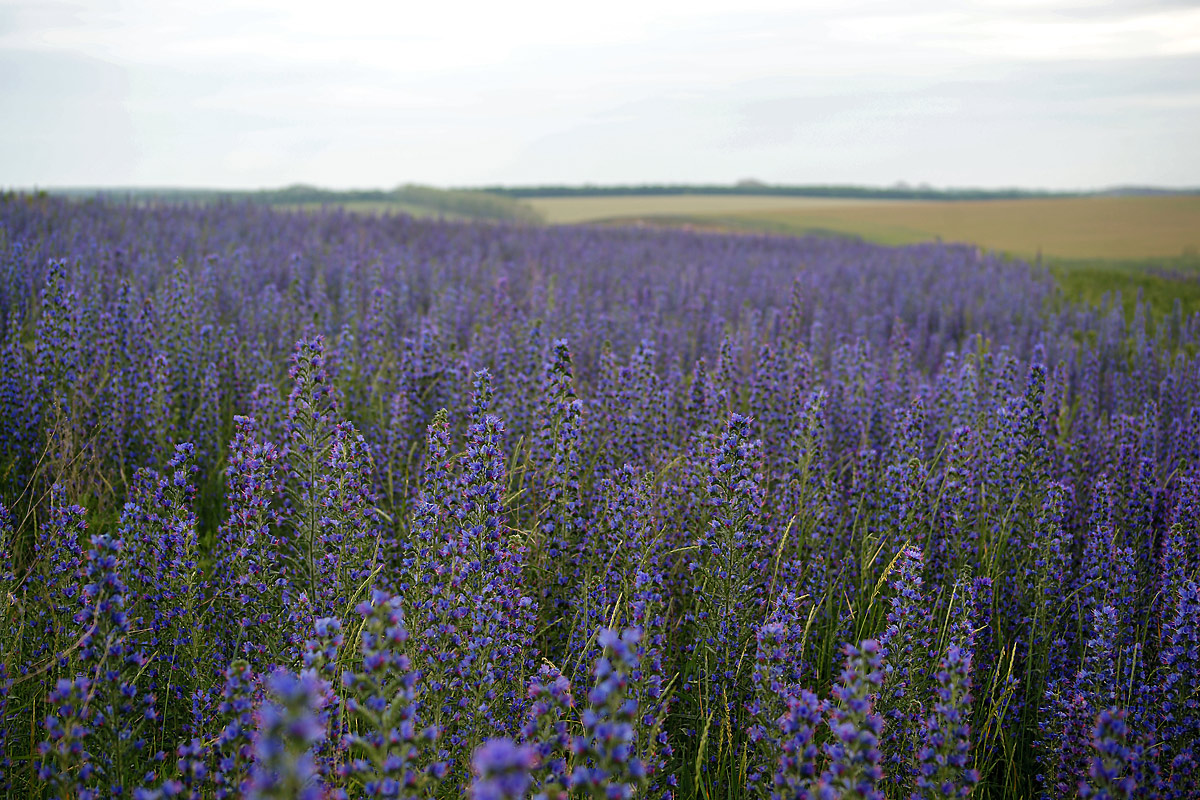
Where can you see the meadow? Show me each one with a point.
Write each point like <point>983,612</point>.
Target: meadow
<point>306,504</point>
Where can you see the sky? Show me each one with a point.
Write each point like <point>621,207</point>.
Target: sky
<point>1051,94</point>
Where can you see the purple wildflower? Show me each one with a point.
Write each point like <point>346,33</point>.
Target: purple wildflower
<point>501,770</point>
<point>288,729</point>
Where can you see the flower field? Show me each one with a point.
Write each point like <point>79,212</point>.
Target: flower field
<point>308,505</point>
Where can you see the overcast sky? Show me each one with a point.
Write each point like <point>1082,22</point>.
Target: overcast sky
<point>228,93</point>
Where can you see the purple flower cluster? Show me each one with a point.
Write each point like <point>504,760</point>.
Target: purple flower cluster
<point>606,755</point>
<point>907,645</point>
<point>501,770</point>
<point>389,750</point>
<point>395,563</point>
<point>288,729</point>
<point>944,757</point>
<point>853,768</point>
<point>231,754</point>
<point>548,731</point>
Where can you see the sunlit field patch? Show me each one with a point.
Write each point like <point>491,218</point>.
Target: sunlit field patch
<point>1119,227</point>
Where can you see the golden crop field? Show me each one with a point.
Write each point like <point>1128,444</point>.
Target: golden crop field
<point>1115,227</point>
<point>568,210</point>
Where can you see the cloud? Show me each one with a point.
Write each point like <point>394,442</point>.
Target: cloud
<point>370,94</point>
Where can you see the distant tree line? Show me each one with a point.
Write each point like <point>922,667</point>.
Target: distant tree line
<point>756,188</point>
<point>465,203</point>
<point>897,192</point>
<point>504,202</point>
